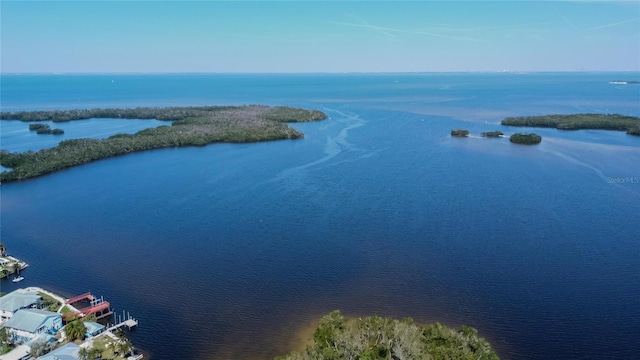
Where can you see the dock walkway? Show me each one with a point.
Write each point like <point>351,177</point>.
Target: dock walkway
<point>129,323</point>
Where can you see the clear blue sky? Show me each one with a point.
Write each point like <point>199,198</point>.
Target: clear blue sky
<point>305,36</point>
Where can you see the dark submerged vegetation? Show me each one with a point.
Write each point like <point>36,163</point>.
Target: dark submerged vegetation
<point>630,124</point>
<point>491,134</point>
<point>375,338</point>
<point>192,126</point>
<point>526,139</point>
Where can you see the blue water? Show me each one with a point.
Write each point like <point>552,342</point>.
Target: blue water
<point>227,251</point>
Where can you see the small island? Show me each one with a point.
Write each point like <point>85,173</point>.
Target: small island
<point>381,338</point>
<point>525,139</point>
<point>45,129</point>
<point>460,133</point>
<point>492,134</point>
<point>190,126</point>
<point>630,124</point>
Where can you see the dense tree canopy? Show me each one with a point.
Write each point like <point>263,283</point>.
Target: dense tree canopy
<point>525,139</point>
<point>460,133</point>
<point>375,338</point>
<point>193,126</point>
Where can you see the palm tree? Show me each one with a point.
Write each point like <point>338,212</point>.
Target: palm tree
<point>89,353</point>
<point>75,330</point>
<point>124,347</point>
<point>119,333</point>
<point>83,354</point>
<point>16,267</point>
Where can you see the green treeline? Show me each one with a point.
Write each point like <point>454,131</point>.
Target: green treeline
<point>525,139</point>
<point>194,126</point>
<point>630,124</point>
<point>374,338</point>
<point>278,113</point>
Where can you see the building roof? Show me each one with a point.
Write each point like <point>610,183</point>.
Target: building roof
<point>41,338</point>
<point>93,327</point>
<point>67,352</point>
<point>30,320</point>
<point>19,299</point>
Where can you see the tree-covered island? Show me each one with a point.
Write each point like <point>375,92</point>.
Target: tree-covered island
<point>460,133</point>
<point>377,338</point>
<point>630,124</point>
<point>45,129</point>
<point>190,126</point>
<point>525,139</point>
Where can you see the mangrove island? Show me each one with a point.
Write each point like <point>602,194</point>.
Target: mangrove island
<point>190,126</point>
<point>630,124</point>
<point>45,129</point>
<point>525,139</point>
<point>460,133</point>
<point>384,338</point>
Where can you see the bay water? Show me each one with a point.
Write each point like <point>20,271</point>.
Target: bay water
<point>233,251</point>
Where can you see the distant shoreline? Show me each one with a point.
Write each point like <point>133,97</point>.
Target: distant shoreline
<point>630,124</point>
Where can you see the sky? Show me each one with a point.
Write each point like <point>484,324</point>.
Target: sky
<point>311,37</point>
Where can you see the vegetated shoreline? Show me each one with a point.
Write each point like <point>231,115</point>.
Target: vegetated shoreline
<point>374,337</point>
<point>190,126</point>
<point>630,124</point>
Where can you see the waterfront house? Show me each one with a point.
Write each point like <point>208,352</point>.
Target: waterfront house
<point>26,324</point>
<point>93,329</point>
<point>69,351</point>
<point>16,300</point>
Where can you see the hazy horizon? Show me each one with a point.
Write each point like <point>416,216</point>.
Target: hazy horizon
<point>313,73</point>
<point>319,37</point>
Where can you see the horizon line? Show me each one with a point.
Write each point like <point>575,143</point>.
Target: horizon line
<point>314,73</point>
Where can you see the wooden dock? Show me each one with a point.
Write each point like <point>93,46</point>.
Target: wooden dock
<point>129,323</point>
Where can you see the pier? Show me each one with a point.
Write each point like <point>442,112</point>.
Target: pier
<point>129,323</point>
<point>123,321</point>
